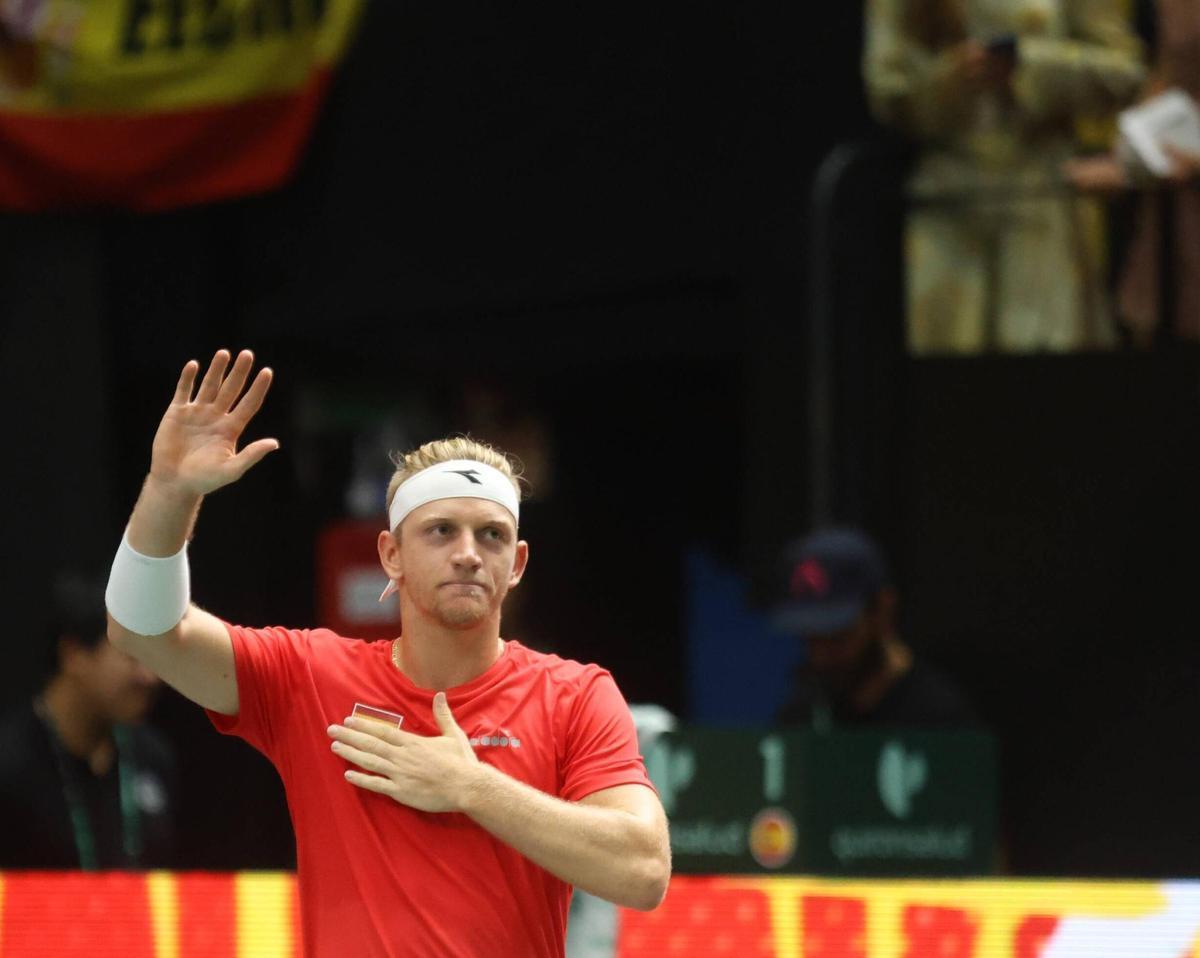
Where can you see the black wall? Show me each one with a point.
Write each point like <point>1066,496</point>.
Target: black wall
<point>1049,551</point>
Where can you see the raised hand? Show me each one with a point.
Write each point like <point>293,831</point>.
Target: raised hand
<point>195,449</point>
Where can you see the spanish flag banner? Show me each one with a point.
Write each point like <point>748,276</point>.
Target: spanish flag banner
<point>153,104</point>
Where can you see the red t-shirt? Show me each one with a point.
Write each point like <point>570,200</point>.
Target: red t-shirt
<point>377,878</point>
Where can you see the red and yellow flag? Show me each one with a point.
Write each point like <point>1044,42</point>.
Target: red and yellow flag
<point>150,104</point>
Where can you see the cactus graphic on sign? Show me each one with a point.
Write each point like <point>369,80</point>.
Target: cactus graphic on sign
<point>671,769</point>
<point>901,775</point>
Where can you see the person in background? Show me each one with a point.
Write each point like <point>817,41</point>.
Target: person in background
<point>1159,280</point>
<point>1000,255</point>
<point>83,782</point>
<point>837,598</point>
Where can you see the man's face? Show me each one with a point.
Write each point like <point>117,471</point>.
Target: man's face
<point>116,686</point>
<point>455,560</point>
<point>840,660</point>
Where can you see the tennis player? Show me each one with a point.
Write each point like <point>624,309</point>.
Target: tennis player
<point>489,780</point>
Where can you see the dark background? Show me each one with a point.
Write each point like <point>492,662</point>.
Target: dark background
<point>604,213</point>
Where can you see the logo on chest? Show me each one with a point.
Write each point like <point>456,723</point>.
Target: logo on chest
<point>372,714</point>
<point>501,738</point>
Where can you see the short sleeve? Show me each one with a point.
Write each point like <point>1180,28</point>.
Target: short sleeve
<point>601,748</point>
<point>266,662</point>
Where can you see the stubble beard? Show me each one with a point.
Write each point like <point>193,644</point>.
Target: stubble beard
<point>462,615</point>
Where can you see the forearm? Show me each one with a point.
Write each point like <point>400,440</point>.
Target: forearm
<point>163,518</point>
<point>158,528</point>
<point>191,652</point>
<point>925,100</point>
<point>607,852</point>
<point>1057,77</point>
<point>1099,68</point>
<point>910,85</point>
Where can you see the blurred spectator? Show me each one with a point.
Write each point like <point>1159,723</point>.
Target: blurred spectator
<point>837,597</point>
<point>1157,290</point>
<point>82,783</point>
<point>999,254</point>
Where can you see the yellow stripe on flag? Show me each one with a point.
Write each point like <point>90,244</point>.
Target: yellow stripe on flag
<point>265,927</point>
<point>131,58</point>
<point>163,894</point>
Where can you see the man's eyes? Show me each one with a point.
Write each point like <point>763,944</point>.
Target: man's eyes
<point>491,533</point>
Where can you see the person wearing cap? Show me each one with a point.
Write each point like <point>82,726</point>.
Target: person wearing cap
<point>84,782</point>
<point>837,597</point>
<point>480,780</point>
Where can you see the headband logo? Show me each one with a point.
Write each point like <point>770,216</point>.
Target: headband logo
<point>468,474</point>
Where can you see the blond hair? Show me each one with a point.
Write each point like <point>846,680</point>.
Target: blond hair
<point>408,464</point>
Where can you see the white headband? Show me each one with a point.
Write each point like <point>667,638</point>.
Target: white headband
<point>457,479</point>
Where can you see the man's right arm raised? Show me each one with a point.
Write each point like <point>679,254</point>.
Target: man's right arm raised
<point>195,453</point>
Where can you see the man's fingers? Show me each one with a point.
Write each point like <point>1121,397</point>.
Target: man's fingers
<point>369,735</point>
<point>363,759</point>
<point>443,715</point>
<point>252,402</point>
<point>372,783</point>
<point>212,378</point>
<point>379,730</point>
<point>231,388</point>
<point>252,455</point>
<point>187,378</point>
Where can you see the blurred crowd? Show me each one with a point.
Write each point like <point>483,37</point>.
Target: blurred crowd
<point>1053,203</point>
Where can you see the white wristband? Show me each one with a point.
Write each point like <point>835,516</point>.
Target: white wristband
<point>148,595</point>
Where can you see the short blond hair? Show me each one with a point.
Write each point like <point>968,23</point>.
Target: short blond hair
<point>408,464</point>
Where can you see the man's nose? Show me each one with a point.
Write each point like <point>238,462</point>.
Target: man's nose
<point>466,551</point>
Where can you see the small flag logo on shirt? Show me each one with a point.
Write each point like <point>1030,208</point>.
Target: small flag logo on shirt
<point>377,715</point>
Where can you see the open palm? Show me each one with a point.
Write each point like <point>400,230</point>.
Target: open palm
<point>195,448</point>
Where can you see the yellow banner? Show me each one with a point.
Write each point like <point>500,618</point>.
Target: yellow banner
<point>144,56</point>
<point>813,918</point>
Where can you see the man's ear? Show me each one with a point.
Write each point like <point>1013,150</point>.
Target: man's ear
<point>388,545</point>
<point>519,563</point>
